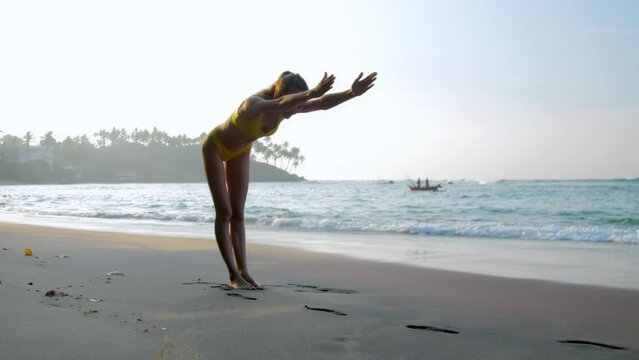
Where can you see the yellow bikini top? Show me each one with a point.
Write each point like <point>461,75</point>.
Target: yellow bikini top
<point>253,127</point>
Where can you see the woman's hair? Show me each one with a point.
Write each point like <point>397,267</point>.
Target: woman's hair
<point>289,82</point>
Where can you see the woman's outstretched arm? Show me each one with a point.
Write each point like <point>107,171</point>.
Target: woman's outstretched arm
<point>255,104</point>
<point>328,101</point>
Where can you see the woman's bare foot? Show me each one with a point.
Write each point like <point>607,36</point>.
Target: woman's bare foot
<point>240,283</point>
<point>250,280</point>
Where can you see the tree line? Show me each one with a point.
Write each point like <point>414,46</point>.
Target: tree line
<point>118,154</point>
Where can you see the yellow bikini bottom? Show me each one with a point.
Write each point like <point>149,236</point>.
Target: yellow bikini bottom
<point>225,153</point>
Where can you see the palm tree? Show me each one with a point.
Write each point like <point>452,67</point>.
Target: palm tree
<point>277,153</point>
<point>48,141</point>
<point>114,135</point>
<point>268,154</point>
<point>258,150</point>
<point>145,137</point>
<point>27,140</point>
<point>135,135</point>
<point>155,136</point>
<point>292,156</point>
<point>284,152</point>
<point>10,145</point>
<point>102,136</point>
<point>124,136</point>
<point>84,143</point>
<point>298,161</point>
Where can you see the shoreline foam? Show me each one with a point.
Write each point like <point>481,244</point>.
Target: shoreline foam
<point>597,264</point>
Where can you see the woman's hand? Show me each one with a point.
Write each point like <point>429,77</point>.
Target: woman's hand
<point>361,86</point>
<point>324,85</point>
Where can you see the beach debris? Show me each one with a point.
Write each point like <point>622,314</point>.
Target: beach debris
<point>5,249</point>
<point>96,300</point>
<point>62,256</point>
<point>325,310</point>
<point>31,283</point>
<point>163,329</point>
<point>432,328</point>
<point>28,252</point>
<point>115,273</point>
<point>55,293</point>
<point>92,311</point>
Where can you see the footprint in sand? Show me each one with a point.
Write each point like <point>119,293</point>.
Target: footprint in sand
<point>241,296</point>
<point>591,343</point>
<point>316,289</point>
<point>214,285</point>
<point>325,310</point>
<point>432,328</point>
<point>199,282</point>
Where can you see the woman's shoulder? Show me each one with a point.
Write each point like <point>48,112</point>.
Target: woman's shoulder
<point>254,99</point>
<point>249,108</point>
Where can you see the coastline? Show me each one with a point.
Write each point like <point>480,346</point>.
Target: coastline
<point>169,304</point>
<point>572,262</point>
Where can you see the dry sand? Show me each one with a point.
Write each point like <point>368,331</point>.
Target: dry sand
<point>170,304</point>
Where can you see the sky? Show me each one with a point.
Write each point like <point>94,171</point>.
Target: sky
<point>466,89</point>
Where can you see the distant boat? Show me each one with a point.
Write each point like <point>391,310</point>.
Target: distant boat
<point>425,188</point>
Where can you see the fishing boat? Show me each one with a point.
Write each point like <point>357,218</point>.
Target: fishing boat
<point>425,188</point>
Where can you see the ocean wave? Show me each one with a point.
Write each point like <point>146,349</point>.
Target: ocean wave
<point>624,221</point>
<point>609,234</point>
<point>151,216</point>
<point>623,230</point>
<point>596,211</point>
<point>606,234</point>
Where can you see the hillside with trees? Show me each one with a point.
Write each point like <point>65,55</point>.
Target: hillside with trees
<point>117,155</point>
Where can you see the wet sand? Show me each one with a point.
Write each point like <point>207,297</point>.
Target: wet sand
<point>167,300</point>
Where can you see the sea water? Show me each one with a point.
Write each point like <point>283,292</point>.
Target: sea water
<point>574,231</point>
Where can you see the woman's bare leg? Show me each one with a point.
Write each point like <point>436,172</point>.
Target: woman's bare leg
<point>237,178</point>
<point>215,175</point>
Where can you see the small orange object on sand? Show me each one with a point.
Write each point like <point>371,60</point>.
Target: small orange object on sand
<point>28,252</point>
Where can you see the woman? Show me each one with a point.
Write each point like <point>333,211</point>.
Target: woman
<point>230,142</point>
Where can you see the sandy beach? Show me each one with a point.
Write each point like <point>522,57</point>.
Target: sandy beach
<point>165,299</point>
